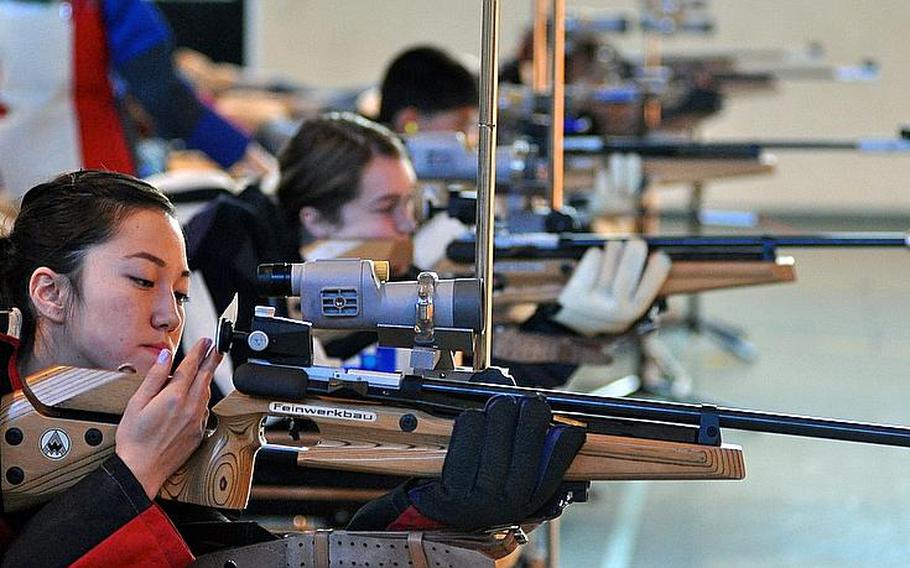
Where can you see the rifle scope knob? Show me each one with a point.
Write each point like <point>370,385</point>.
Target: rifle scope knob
<point>382,270</point>
<point>224,336</point>
<point>258,340</point>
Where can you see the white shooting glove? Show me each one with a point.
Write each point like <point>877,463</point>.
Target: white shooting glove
<point>432,238</point>
<point>612,288</point>
<point>617,188</point>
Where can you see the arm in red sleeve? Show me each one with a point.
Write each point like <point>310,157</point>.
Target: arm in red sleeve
<point>104,520</point>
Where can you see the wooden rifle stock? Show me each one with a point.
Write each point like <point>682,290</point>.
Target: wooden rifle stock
<point>689,277</point>
<point>603,457</point>
<point>220,472</point>
<point>541,281</point>
<point>43,452</point>
<point>673,171</point>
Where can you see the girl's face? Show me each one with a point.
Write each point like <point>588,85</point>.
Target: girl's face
<point>384,208</point>
<point>132,291</point>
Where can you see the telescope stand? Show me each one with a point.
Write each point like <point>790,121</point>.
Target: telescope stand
<point>657,373</point>
<point>728,337</point>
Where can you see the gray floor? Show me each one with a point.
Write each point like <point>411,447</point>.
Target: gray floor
<point>835,344</point>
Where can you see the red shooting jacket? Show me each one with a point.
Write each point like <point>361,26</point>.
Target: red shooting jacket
<point>105,520</point>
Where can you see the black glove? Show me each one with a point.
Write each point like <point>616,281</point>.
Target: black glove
<point>504,465</point>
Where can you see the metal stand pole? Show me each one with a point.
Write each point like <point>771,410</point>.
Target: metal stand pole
<point>486,174</point>
<point>730,338</point>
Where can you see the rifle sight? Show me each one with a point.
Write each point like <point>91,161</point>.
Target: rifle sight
<point>356,295</point>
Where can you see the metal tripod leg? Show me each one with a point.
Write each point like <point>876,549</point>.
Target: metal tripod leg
<point>730,338</point>
<point>661,374</point>
<point>657,373</point>
<point>542,550</point>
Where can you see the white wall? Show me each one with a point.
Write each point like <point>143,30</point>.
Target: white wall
<point>348,42</point>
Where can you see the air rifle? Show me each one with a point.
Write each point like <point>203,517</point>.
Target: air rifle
<point>443,156</point>
<point>587,23</point>
<point>699,247</point>
<point>533,267</point>
<point>63,423</point>
<point>657,147</point>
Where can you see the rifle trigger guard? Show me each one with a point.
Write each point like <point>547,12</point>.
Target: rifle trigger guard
<point>709,426</point>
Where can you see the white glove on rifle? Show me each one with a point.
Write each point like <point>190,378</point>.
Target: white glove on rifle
<point>617,188</point>
<point>432,238</point>
<point>612,288</point>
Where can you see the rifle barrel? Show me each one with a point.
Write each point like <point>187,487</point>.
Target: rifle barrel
<point>448,396</point>
<point>693,414</point>
<point>838,240</point>
<point>698,247</point>
<point>730,149</point>
<point>661,149</point>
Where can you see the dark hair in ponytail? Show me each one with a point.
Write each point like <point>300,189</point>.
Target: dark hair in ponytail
<point>322,165</point>
<point>58,222</point>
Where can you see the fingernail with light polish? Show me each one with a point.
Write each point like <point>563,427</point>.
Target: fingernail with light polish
<point>164,355</point>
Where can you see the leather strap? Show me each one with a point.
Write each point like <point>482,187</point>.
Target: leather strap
<point>325,549</point>
<point>415,549</point>
<point>321,549</point>
<point>512,344</point>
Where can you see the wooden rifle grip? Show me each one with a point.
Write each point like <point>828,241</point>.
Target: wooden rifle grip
<point>220,471</point>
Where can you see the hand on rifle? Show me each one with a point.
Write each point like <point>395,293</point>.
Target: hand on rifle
<point>613,288</point>
<point>617,188</point>
<point>432,238</point>
<point>504,466</point>
<point>165,419</point>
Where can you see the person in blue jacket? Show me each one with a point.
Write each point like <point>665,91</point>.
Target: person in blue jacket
<point>65,70</point>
